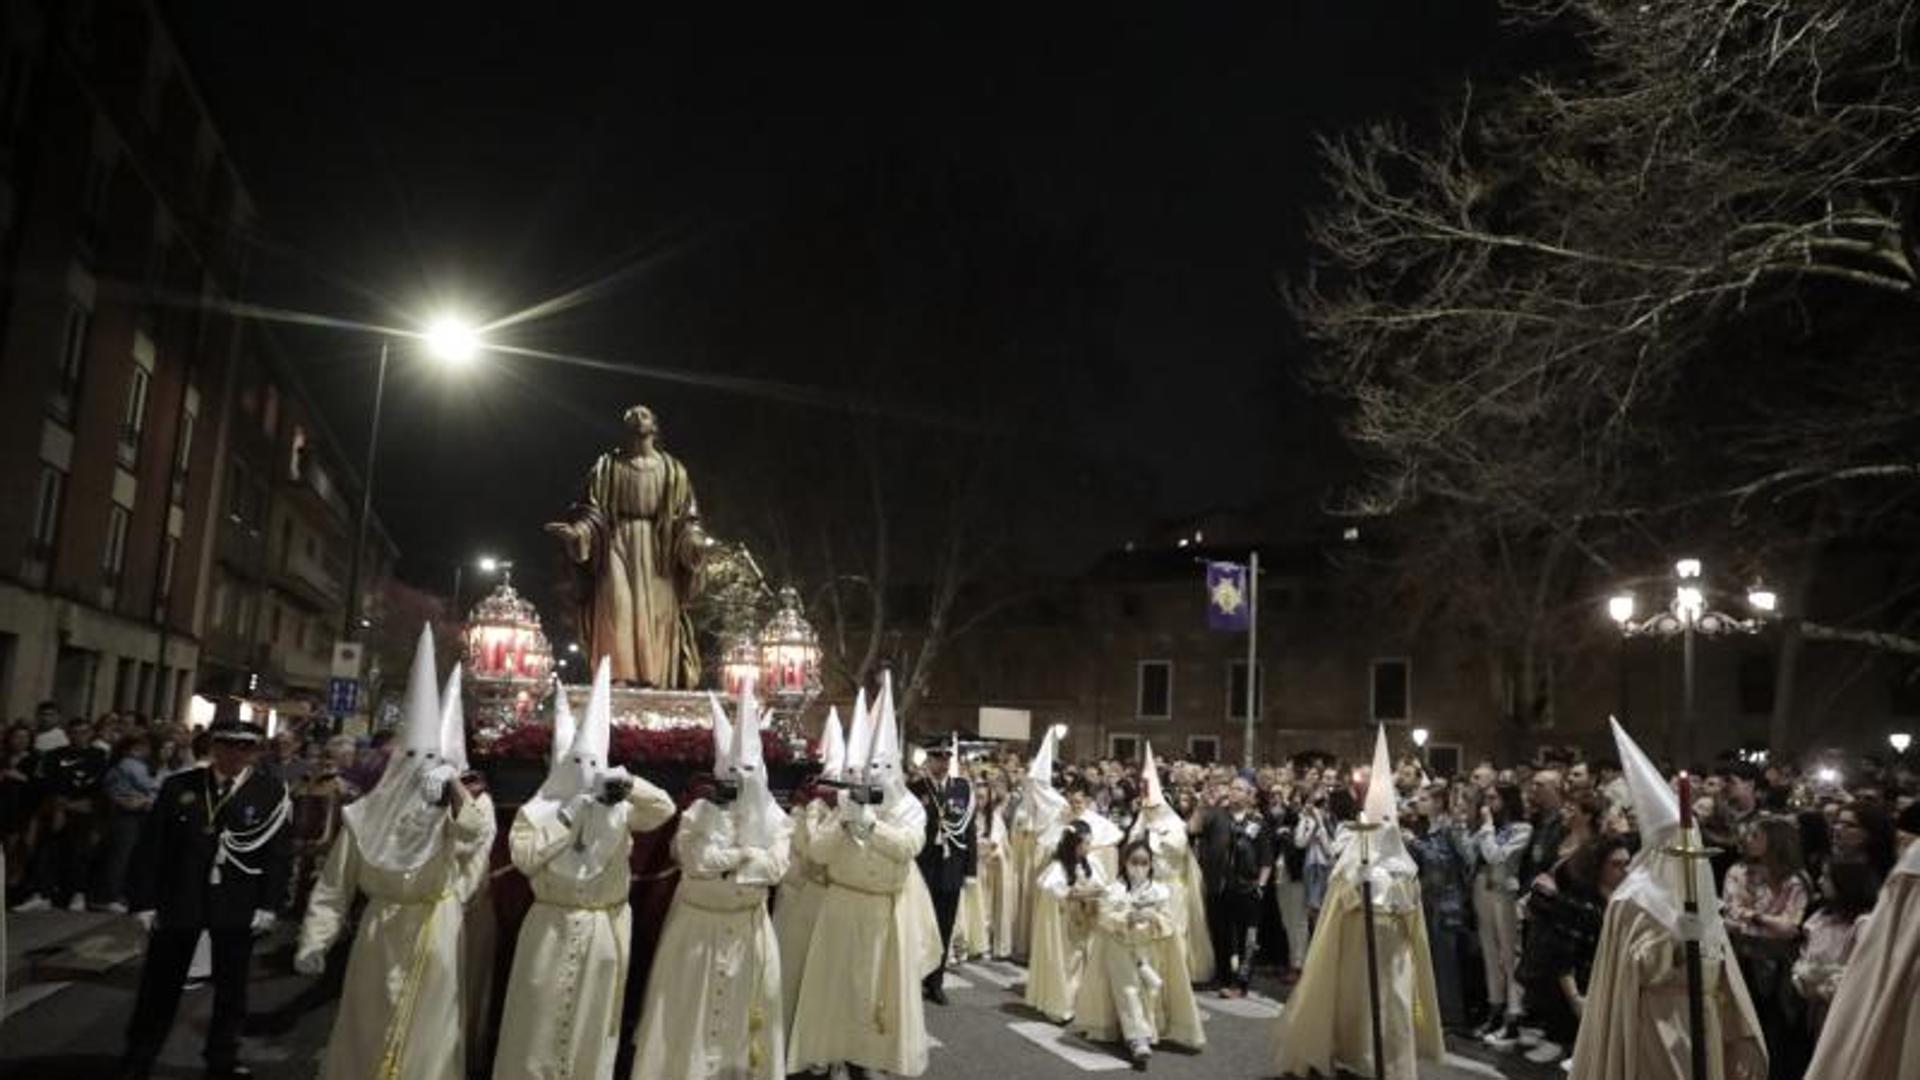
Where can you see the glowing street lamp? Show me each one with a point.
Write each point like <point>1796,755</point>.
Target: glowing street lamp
<point>452,340</point>
<point>455,343</point>
<point>1687,616</point>
<point>1900,740</point>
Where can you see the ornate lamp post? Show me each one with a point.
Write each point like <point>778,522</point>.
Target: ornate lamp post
<point>1687,617</point>
<point>789,663</point>
<point>509,662</point>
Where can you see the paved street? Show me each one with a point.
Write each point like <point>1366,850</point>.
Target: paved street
<point>71,980</point>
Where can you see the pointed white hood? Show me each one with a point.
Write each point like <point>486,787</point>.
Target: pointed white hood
<point>723,746</point>
<point>563,728</point>
<point>1386,848</point>
<point>1657,878</point>
<point>833,747</point>
<point>1151,794</point>
<point>758,820</point>
<point>1041,804</point>
<point>884,764</point>
<point>601,827</point>
<point>394,827</point>
<point>859,741</point>
<point>453,724</point>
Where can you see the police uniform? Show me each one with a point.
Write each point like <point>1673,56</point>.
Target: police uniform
<point>213,852</point>
<point>948,859</point>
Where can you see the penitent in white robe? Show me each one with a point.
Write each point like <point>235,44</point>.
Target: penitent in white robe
<point>1138,930</point>
<point>1176,867</point>
<point>400,1006</point>
<point>1635,1023</point>
<point>796,905</point>
<point>876,923</point>
<point>479,939</point>
<point>713,1005</point>
<point>970,938</point>
<point>1873,1028</point>
<point>997,882</point>
<point>1327,1024</point>
<point>1063,917</point>
<point>562,1016</point>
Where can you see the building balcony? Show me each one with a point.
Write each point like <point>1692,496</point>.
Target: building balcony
<point>310,581</point>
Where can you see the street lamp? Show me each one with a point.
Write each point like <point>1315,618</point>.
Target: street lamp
<point>1900,740</point>
<point>1687,617</point>
<point>448,339</point>
<point>1420,737</point>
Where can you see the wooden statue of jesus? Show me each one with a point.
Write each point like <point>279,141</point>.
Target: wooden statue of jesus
<point>637,546</point>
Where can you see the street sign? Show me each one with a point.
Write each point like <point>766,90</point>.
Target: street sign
<point>343,696</point>
<point>346,659</point>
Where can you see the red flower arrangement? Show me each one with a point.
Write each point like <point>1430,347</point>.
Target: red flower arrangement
<point>630,744</point>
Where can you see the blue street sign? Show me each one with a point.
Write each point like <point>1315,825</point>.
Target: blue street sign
<point>343,696</point>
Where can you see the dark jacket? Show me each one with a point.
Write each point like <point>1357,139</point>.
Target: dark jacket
<point>947,868</point>
<point>172,869</point>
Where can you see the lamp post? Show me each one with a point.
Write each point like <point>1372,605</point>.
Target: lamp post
<point>1900,740</point>
<point>454,343</point>
<point>1420,737</point>
<point>1687,617</point>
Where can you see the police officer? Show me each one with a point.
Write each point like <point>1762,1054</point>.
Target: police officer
<point>947,859</point>
<point>213,857</point>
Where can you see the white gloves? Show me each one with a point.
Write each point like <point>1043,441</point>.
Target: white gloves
<point>310,962</point>
<point>263,921</point>
<point>433,782</point>
<point>145,919</point>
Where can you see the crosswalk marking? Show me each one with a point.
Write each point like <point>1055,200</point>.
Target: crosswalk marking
<point>1061,1045</point>
<point>989,975</point>
<point>954,982</point>
<point>1251,1007</point>
<point>1467,1064</point>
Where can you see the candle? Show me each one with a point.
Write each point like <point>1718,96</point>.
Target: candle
<point>1686,801</point>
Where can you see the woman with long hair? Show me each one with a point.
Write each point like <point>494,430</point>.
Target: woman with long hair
<point>1764,901</point>
<point>1500,842</point>
<point>1065,898</point>
<point>1850,888</point>
<point>1864,830</point>
<point>1137,987</point>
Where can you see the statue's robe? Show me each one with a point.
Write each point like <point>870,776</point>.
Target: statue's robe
<point>635,535</point>
<point>562,1016</point>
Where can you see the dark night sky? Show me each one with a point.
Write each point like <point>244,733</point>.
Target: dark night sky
<point>406,155</point>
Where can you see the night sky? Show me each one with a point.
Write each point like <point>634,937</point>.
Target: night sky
<point>716,185</point>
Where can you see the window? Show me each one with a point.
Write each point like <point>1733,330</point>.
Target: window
<point>1123,747</point>
<point>1203,749</point>
<point>181,459</point>
<point>73,356</point>
<point>1237,690</point>
<point>1391,699</point>
<point>46,510</point>
<point>1443,759</point>
<point>133,420</point>
<point>168,551</point>
<point>1153,698</point>
<point>114,560</point>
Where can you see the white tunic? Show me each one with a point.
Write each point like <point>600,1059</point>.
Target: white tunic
<point>796,905</point>
<point>400,1007</point>
<point>865,1008</point>
<point>1063,917</point>
<point>562,1017</point>
<point>713,1007</point>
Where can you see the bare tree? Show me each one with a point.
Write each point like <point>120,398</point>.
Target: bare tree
<point>1662,286</point>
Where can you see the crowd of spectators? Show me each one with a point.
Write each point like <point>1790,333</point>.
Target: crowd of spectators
<point>1517,862</point>
<point>75,792</point>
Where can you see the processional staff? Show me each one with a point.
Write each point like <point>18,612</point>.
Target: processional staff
<point>1365,828</point>
<point>1690,850</point>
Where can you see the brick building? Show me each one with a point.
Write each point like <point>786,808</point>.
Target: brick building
<point>123,237</point>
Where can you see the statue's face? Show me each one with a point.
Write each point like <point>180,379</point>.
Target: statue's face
<point>641,422</point>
